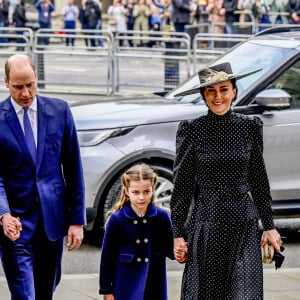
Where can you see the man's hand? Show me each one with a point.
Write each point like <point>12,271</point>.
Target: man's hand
<point>75,237</point>
<point>12,227</point>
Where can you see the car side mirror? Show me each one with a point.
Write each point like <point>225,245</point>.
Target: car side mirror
<point>273,99</point>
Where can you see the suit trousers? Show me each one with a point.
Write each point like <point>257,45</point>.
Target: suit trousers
<point>32,270</point>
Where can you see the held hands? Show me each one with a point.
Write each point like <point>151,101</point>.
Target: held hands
<point>272,237</point>
<point>180,250</point>
<point>75,237</point>
<point>12,227</point>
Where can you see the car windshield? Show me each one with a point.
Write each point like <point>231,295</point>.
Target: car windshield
<point>245,58</point>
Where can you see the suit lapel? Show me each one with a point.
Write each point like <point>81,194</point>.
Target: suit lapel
<point>14,124</point>
<point>42,126</point>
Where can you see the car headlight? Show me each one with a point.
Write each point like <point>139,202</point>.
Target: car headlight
<point>89,138</point>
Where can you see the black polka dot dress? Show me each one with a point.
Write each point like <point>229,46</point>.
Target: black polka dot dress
<point>220,190</point>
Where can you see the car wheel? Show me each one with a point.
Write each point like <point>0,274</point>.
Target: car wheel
<point>163,192</point>
<point>164,187</point>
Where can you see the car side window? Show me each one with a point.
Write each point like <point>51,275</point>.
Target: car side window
<point>289,82</point>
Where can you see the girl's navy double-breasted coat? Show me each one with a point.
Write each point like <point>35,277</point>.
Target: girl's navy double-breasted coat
<point>134,251</point>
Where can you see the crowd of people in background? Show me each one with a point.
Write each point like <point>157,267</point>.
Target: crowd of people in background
<point>174,15</point>
<point>153,15</point>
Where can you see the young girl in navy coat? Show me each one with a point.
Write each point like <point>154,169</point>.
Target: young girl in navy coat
<point>138,238</point>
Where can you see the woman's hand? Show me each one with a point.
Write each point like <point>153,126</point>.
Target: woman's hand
<point>180,250</point>
<point>272,237</point>
<point>108,297</point>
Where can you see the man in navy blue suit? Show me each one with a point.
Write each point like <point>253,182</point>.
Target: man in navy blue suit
<point>41,184</point>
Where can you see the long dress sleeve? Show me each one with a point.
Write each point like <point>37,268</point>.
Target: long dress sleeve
<point>184,178</point>
<point>258,179</point>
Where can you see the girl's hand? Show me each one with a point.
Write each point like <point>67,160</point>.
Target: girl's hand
<point>12,227</point>
<point>180,250</point>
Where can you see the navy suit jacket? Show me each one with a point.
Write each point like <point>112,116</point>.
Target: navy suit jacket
<point>55,186</point>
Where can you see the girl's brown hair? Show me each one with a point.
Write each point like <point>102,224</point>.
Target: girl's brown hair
<point>135,173</point>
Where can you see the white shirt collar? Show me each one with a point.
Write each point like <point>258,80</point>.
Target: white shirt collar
<point>18,107</point>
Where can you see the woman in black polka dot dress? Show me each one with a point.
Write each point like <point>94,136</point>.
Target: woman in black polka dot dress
<point>220,190</point>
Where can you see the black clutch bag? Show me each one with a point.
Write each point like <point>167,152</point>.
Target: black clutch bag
<point>269,255</point>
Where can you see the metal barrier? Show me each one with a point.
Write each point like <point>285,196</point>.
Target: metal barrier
<point>193,30</point>
<point>85,67</point>
<point>160,60</point>
<point>112,66</point>
<point>102,63</point>
<point>15,37</point>
<point>14,40</point>
<point>207,46</point>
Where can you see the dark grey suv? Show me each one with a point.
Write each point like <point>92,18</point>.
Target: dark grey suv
<point>117,134</point>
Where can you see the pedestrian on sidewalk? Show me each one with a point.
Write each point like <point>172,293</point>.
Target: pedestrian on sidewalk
<point>41,184</point>
<point>89,16</point>
<point>19,21</point>
<point>4,19</point>
<point>138,238</point>
<point>70,13</point>
<point>45,9</point>
<point>221,189</point>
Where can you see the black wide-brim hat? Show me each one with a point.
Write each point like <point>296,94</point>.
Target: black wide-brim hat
<point>213,75</point>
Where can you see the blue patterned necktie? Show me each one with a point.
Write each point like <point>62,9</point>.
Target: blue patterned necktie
<point>29,138</point>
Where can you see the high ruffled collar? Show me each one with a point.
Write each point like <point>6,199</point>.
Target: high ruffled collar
<point>219,118</point>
